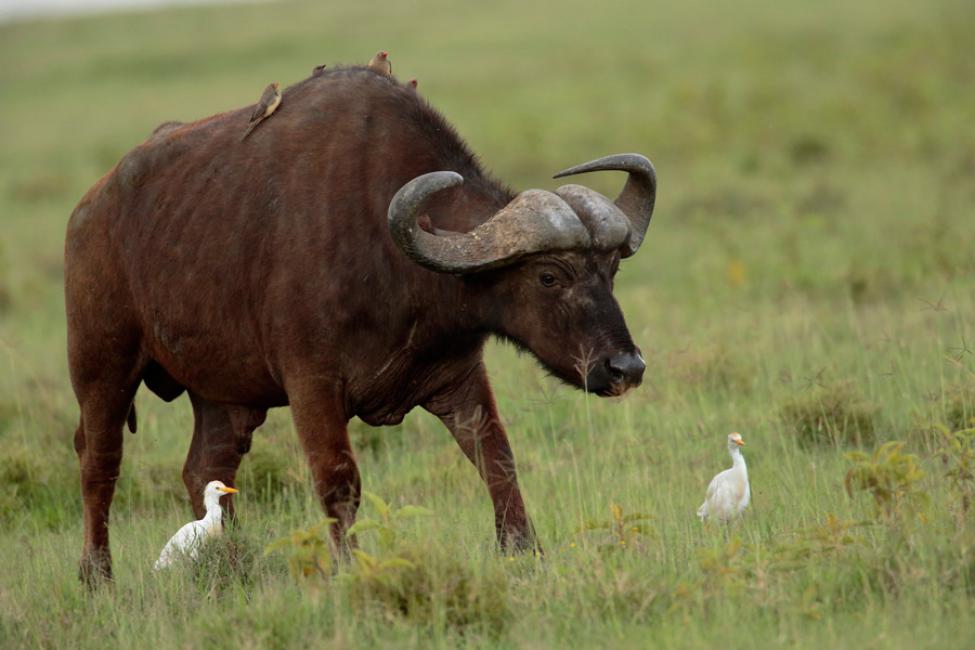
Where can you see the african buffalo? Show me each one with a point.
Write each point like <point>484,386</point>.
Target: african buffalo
<point>350,258</point>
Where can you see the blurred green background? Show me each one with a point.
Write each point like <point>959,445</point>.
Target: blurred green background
<point>808,279</point>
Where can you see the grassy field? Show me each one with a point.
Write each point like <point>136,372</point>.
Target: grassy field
<point>808,280</point>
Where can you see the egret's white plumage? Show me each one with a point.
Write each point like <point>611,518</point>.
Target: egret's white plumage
<point>188,539</point>
<point>729,492</point>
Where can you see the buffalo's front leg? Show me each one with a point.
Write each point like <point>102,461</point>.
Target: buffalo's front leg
<point>321,422</point>
<point>471,415</point>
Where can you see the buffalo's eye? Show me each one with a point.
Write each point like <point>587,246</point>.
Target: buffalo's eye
<point>547,279</point>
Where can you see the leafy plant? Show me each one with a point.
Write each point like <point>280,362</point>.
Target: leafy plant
<point>309,550</point>
<point>725,564</point>
<point>890,476</point>
<point>622,528</point>
<point>21,479</point>
<point>958,457</point>
<point>382,569</point>
<point>426,587</point>
<point>389,521</point>
<point>831,537</point>
<point>420,586</point>
<point>960,407</point>
<point>224,562</point>
<point>830,415</point>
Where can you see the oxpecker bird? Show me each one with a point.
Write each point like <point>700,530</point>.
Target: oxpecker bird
<point>380,63</point>
<point>318,70</point>
<point>413,84</point>
<point>269,102</point>
<point>165,127</point>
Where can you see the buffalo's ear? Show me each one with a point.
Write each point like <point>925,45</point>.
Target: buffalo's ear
<point>426,223</point>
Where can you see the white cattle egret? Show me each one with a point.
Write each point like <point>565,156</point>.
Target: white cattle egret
<point>728,493</point>
<point>188,539</point>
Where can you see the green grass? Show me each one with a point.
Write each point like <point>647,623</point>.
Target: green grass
<point>813,237</point>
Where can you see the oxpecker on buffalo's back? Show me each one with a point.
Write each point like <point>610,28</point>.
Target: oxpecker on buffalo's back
<point>380,63</point>
<point>269,102</point>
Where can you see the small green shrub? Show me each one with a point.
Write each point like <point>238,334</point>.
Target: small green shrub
<point>388,522</point>
<point>430,589</point>
<point>808,149</point>
<point>620,529</point>
<point>830,416</point>
<point>724,574</point>
<point>223,562</point>
<point>17,467</point>
<point>398,581</point>
<point>308,551</point>
<point>831,537</point>
<point>957,455</point>
<point>888,475</point>
<point>21,480</point>
<point>960,407</point>
<point>725,566</point>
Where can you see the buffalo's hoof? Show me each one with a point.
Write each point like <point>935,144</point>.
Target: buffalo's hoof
<point>95,569</point>
<point>520,541</point>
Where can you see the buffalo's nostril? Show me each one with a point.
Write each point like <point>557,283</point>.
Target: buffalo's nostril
<point>615,371</point>
<point>616,374</point>
<point>628,367</point>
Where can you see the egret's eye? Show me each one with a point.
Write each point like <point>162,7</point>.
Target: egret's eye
<point>547,279</point>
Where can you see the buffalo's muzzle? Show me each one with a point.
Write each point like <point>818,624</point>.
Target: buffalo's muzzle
<point>616,374</point>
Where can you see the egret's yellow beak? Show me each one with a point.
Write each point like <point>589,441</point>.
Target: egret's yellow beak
<point>737,441</point>
<point>228,490</point>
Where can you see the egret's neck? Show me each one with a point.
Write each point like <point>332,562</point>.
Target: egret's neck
<point>214,511</point>
<point>737,459</point>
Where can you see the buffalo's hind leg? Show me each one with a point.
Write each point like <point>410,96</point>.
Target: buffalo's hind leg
<point>105,404</point>
<point>221,436</point>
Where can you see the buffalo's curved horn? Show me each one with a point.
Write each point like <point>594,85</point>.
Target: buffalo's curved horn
<point>534,221</point>
<point>608,227</point>
<point>637,197</point>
